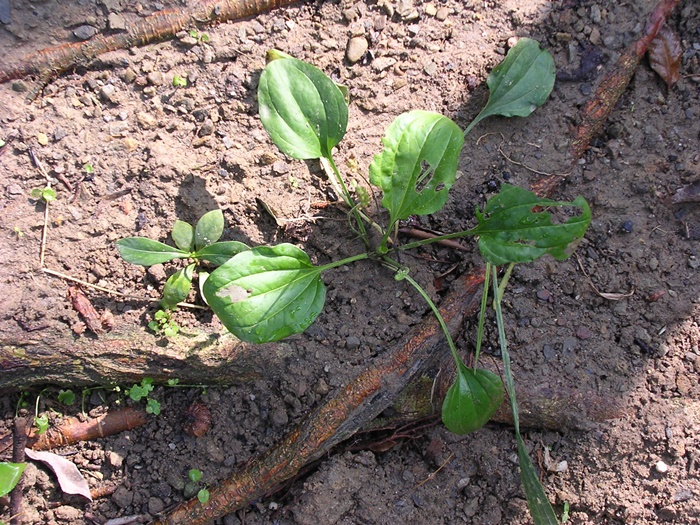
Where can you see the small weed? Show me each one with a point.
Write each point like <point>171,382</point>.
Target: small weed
<point>195,476</point>
<point>67,397</point>
<point>18,232</point>
<point>163,324</point>
<point>142,391</point>
<point>10,474</point>
<point>179,82</point>
<point>197,242</point>
<point>46,194</point>
<point>202,38</point>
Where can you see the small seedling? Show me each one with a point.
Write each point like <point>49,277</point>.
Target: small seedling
<point>200,37</point>
<point>46,194</point>
<point>198,243</point>
<point>195,476</point>
<point>67,397</point>
<point>163,324</point>
<point>179,81</point>
<point>18,232</point>
<point>87,167</point>
<point>142,391</point>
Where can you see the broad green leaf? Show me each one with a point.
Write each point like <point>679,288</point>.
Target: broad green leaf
<point>9,476</point>
<point>471,400</point>
<point>177,287</point>
<point>418,164</point>
<point>267,293</point>
<point>220,252</point>
<point>147,252</point>
<point>540,508</point>
<point>208,229</point>
<point>183,235</point>
<point>304,112</point>
<point>520,83</point>
<point>515,227</point>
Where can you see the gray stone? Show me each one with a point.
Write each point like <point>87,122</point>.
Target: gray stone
<point>116,22</point>
<point>155,505</point>
<point>84,32</point>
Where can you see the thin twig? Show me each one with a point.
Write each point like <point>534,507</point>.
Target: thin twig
<point>114,292</point>
<point>605,295</point>
<point>522,165</point>
<point>18,445</point>
<point>44,231</point>
<point>433,474</point>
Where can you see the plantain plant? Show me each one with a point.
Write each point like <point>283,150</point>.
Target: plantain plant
<point>270,292</point>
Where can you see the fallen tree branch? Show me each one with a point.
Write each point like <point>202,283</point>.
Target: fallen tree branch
<point>596,112</point>
<point>50,62</point>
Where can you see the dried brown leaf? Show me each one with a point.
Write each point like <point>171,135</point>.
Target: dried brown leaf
<point>665,54</point>
<point>69,477</point>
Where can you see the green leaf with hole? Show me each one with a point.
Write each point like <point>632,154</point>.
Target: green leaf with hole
<point>183,235</point>
<point>471,400</point>
<point>147,252</point>
<point>515,226</point>
<point>177,287</point>
<point>302,109</point>
<point>267,293</point>
<point>10,473</point>
<point>209,229</point>
<point>418,164</point>
<point>520,83</point>
<point>220,252</point>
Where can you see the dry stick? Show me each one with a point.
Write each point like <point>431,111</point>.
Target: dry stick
<point>71,430</point>
<point>343,413</point>
<point>597,110</point>
<point>52,61</point>
<point>44,230</point>
<point>19,443</point>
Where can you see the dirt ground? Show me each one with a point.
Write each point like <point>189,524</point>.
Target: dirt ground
<point>162,153</point>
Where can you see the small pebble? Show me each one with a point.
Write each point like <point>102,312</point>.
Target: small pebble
<point>357,47</point>
<point>84,32</point>
<point>586,89</point>
<point>442,14</point>
<point>627,227</point>
<point>155,78</point>
<point>661,467</point>
<point>584,332</point>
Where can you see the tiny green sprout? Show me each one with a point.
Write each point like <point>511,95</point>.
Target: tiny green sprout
<point>46,194</point>
<point>179,81</point>
<point>565,514</point>
<point>194,475</point>
<point>67,397</point>
<point>173,382</point>
<point>203,496</point>
<point>152,406</point>
<point>41,423</point>
<point>140,391</point>
<point>18,232</point>
<point>163,324</point>
<point>2,143</point>
<point>87,167</point>
<point>200,37</point>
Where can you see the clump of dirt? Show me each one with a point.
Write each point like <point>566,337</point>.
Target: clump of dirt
<point>619,320</point>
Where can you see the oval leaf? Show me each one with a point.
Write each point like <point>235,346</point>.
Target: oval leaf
<point>418,164</point>
<point>10,473</point>
<point>471,400</point>
<point>177,287</point>
<point>183,235</point>
<point>267,293</point>
<point>147,252</point>
<point>515,228</point>
<point>208,229</point>
<point>301,108</point>
<point>220,252</point>
<point>520,83</point>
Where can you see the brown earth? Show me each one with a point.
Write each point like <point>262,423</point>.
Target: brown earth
<point>162,153</point>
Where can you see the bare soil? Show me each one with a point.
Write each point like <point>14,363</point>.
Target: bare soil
<point>162,153</point>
